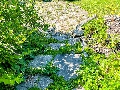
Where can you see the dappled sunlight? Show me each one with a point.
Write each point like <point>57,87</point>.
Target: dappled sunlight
<point>68,64</point>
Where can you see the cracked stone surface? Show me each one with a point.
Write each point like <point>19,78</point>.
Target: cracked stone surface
<point>44,82</point>
<point>68,65</point>
<point>77,33</point>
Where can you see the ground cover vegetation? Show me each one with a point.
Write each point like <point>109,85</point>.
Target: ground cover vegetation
<point>21,41</point>
<point>98,71</point>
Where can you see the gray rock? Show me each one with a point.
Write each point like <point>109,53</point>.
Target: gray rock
<point>83,42</point>
<point>38,81</point>
<point>58,33</point>
<point>56,46</point>
<point>61,37</point>
<point>40,61</point>
<point>73,41</point>
<point>31,81</point>
<point>77,33</point>
<point>51,30</point>
<point>44,82</point>
<point>85,54</point>
<point>19,87</point>
<point>68,64</point>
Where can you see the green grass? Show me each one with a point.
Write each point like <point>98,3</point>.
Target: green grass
<point>99,72</point>
<point>100,7</point>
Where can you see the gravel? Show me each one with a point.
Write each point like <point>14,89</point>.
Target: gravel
<point>61,14</point>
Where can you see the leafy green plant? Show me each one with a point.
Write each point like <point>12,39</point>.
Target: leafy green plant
<point>62,84</point>
<point>10,78</point>
<point>6,87</point>
<point>48,69</point>
<point>77,48</point>
<point>65,49</point>
<point>34,88</point>
<point>18,20</point>
<point>38,43</point>
<point>21,41</point>
<point>95,29</point>
<point>100,7</point>
<point>59,83</point>
<point>99,72</point>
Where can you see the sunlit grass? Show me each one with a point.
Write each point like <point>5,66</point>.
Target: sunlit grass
<point>100,7</point>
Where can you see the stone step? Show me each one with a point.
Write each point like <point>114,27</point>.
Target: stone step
<point>68,65</point>
<point>56,46</point>
<point>35,81</point>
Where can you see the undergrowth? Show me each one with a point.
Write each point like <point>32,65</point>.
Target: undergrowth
<point>99,72</point>
<point>100,7</point>
<point>21,42</point>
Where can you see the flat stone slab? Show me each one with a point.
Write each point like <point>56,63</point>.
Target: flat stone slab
<point>78,33</point>
<point>44,82</point>
<point>56,46</point>
<point>73,41</point>
<point>68,65</point>
<point>38,81</point>
<point>61,37</point>
<point>40,60</point>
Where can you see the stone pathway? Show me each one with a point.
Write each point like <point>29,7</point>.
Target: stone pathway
<point>68,64</point>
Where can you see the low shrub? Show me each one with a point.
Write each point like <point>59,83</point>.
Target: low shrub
<point>99,72</point>
<point>19,38</point>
